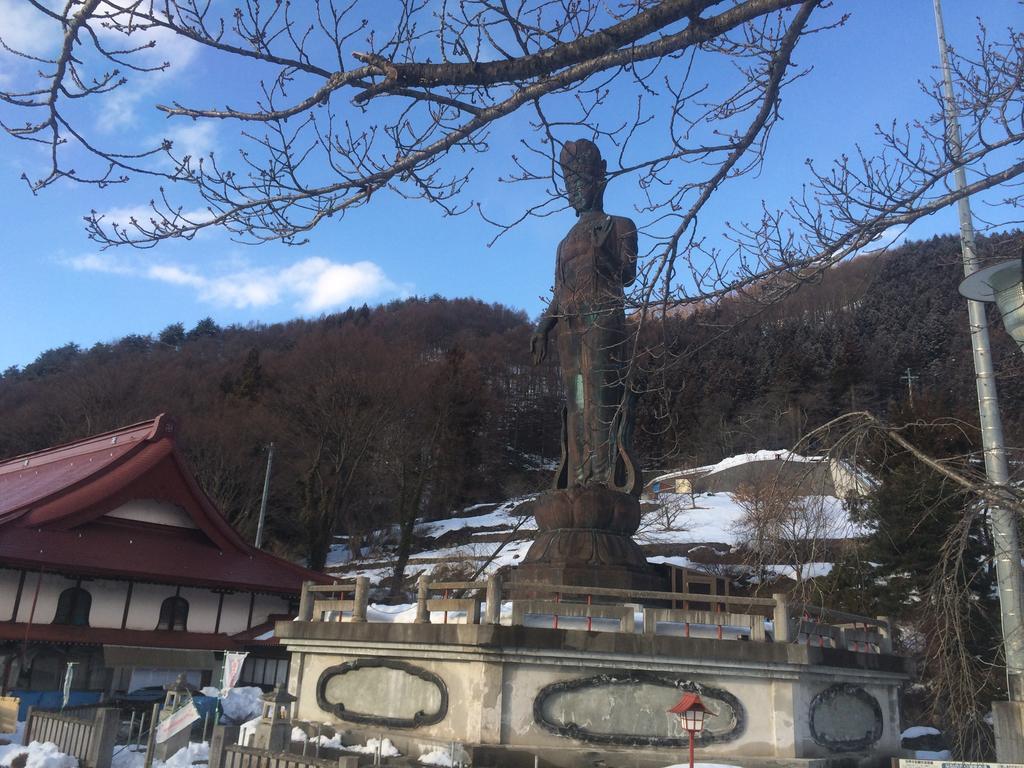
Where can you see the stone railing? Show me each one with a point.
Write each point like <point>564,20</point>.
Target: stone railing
<point>721,617</point>
<point>88,733</point>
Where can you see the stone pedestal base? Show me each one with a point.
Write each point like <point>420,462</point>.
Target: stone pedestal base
<point>584,541</point>
<point>1008,721</point>
<point>575,557</point>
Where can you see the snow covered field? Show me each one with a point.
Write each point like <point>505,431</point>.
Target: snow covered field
<point>676,526</point>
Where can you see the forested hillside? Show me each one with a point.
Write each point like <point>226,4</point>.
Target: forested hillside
<point>412,409</point>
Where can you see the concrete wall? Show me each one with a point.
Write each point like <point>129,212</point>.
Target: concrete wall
<point>492,688</point>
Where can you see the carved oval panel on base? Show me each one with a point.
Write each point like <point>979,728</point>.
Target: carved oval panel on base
<point>383,692</point>
<point>631,709</point>
<point>845,718</point>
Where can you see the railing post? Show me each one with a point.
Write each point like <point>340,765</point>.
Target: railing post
<point>492,614</point>
<point>306,603</point>
<point>361,598</point>
<point>422,593</point>
<point>885,633</point>
<point>781,617</point>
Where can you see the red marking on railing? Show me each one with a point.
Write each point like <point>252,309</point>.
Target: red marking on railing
<point>446,610</point>
<point>686,629</point>
<point>558,598</point>
<point>590,619</point>
<point>719,631</point>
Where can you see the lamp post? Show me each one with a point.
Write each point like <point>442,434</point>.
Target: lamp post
<point>1002,283</point>
<point>1008,716</point>
<point>690,710</point>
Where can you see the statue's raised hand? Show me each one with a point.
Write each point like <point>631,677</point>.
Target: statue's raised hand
<point>600,231</point>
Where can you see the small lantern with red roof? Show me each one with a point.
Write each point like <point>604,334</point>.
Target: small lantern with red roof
<point>690,710</point>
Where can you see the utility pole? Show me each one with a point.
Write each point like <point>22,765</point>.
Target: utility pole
<point>1009,716</point>
<point>266,492</point>
<point>910,379</point>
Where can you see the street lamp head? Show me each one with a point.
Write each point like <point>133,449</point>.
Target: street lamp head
<point>1002,283</point>
<point>690,710</point>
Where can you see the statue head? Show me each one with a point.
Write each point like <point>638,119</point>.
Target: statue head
<point>583,170</point>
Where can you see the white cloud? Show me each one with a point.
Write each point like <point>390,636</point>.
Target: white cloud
<point>195,139</point>
<point>312,285</point>
<point>27,30</point>
<point>120,107</point>
<point>100,262</point>
<point>176,275</point>
<point>323,284</point>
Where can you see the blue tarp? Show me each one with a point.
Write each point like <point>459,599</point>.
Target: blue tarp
<point>52,700</point>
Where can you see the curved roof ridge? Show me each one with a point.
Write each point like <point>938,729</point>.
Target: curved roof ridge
<point>143,431</point>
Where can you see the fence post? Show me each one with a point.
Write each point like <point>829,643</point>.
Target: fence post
<point>151,739</point>
<point>885,633</point>
<point>306,603</point>
<point>361,598</point>
<point>106,724</point>
<point>781,617</point>
<point>422,592</point>
<point>27,736</point>
<point>492,614</point>
<point>222,736</point>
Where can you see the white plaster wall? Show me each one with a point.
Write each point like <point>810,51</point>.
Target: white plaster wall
<point>234,613</point>
<point>153,511</point>
<point>266,605</point>
<point>202,609</point>
<point>107,602</point>
<point>8,592</point>
<point>46,605</point>
<point>146,601</point>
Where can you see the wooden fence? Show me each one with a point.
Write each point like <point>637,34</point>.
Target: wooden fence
<point>88,733</point>
<point>729,617</point>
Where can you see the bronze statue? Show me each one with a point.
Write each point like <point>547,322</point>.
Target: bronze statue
<point>586,520</point>
<point>594,263</point>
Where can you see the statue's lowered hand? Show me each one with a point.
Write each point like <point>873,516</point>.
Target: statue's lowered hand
<point>539,347</point>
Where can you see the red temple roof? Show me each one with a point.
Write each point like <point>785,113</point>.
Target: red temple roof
<point>54,507</point>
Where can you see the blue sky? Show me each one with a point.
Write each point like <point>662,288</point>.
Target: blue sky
<point>56,287</point>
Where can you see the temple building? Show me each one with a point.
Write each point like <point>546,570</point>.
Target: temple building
<point>112,556</point>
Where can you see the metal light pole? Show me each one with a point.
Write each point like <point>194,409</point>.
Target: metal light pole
<point>1001,520</point>
<point>266,493</point>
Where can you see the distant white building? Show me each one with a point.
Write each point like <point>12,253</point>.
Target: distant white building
<point>818,475</point>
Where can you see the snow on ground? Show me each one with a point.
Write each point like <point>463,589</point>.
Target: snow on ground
<point>16,736</point>
<point>40,755</point>
<point>195,752</point>
<point>915,731</point>
<point>387,748</point>
<point>715,517</point>
<point>500,517</point>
